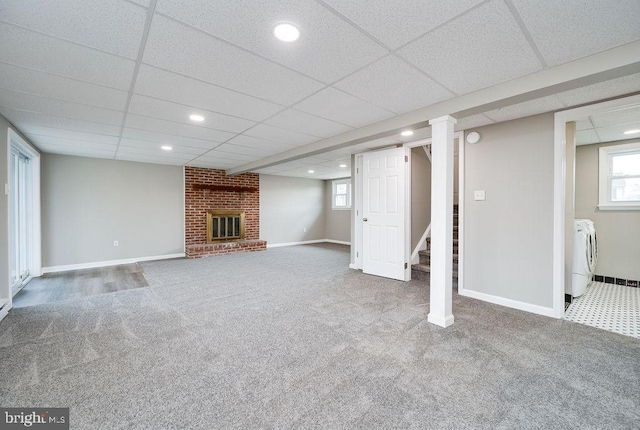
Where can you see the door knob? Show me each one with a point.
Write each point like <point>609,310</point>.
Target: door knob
<point>364,220</point>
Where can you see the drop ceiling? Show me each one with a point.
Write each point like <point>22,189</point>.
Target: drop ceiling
<point>118,79</point>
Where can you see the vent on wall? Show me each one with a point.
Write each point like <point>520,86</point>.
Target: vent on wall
<point>225,225</point>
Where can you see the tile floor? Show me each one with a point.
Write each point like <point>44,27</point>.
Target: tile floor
<point>607,306</point>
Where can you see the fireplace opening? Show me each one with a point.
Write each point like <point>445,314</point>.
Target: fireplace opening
<point>225,225</point>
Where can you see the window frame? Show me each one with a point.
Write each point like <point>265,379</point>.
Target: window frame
<point>334,186</point>
<point>605,176</point>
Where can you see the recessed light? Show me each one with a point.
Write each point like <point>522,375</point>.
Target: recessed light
<point>286,32</point>
<point>197,118</point>
<point>632,131</point>
<point>407,133</point>
<point>166,148</point>
<point>311,171</point>
<point>343,165</point>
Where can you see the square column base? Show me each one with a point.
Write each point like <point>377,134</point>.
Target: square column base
<point>440,321</point>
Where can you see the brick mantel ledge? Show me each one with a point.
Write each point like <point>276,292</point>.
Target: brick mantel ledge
<point>208,249</point>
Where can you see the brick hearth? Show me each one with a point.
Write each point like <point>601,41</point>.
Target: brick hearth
<point>208,189</point>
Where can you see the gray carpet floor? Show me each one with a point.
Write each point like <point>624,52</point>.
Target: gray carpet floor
<point>292,338</point>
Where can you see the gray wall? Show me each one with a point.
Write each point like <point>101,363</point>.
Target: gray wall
<point>87,203</point>
<point>288,206</point>
<point>337,222</point>
<point>618,231</point>
<point>509,236</point>
<point>420,194</point>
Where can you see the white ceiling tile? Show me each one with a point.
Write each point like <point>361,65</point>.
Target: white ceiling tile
<point>566,30</point>
<point>28,102</point>
<point>34,130</point>
<point>380,84</point>
<point>616,132</point>
<point>156,146</point>
<point>264,131</point>
<point>245,150</point>
<point>303,122</point>
<point>36,51</point>
<point>145,158</point>
<point>79,151</point>
<point>481,48</point>
<point>24,118</point>
<point>521,110</point>
<point>321,51</point>
<point>57,142</point>
<point>170,86</point>
<point>403,20</point>
<point>586,137</point>
<point>339,106</point>
<point>219,154</point>
<point>155,153</point>
<point>583,124</point>
<point>591,93</point>
<point>254,142</point>
<point>112,26</point>
<point>176,129</point>
<point>616,117</point>
<point>165,139</point>
<point>147,106</point>
<point>176,47</point>
<point>48,85</point>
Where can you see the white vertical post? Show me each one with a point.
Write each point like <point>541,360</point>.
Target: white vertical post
<point>441,285</point>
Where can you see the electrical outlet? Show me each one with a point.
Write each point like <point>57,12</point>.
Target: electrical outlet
<point>116,243</point>
<point>304,229</point>
<point>478,195</point>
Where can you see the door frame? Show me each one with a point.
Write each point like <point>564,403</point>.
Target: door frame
<point>35,248</point>
<point>559,190</point>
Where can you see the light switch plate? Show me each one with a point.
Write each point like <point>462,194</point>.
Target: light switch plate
<point>478,195</point>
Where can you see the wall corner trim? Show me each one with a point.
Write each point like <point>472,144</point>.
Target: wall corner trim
<point>515,304</point>
<point>54,269</point>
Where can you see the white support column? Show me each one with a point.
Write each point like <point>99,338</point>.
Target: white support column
<point>441,221</point>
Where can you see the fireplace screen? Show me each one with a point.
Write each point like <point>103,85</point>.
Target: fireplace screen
<point>225,225</point>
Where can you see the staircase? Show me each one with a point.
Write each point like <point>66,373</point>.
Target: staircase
<point>422,270</point>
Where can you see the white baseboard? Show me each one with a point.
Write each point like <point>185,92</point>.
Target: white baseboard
<point>65,268</point>
<point>510,303</point>
<point>5,307</point>
<point>306,242</point>
<point>353,266</point>
<point>339,242</point>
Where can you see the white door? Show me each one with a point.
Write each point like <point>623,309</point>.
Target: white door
<point>383,214</point>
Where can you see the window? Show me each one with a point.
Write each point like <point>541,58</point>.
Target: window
<point>619,177</point>
<point>341,194</point>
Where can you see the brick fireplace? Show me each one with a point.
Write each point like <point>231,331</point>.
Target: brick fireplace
<point>209,190</point>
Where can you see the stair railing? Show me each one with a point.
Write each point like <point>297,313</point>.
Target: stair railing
<point>423,240</point>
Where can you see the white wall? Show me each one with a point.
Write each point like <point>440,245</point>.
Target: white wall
<point>87,203</point>
<point>618,231</point>
<point>337,222</point>
<point>509,236</point>
<point>288,206</point>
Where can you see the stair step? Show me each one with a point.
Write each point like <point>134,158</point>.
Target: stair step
<point>428,254</point>
<point>425,268</point>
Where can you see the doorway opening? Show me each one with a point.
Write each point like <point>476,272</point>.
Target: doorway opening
<point>585,138</point>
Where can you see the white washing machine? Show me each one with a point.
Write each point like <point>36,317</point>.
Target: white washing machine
<point>585,255</point>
